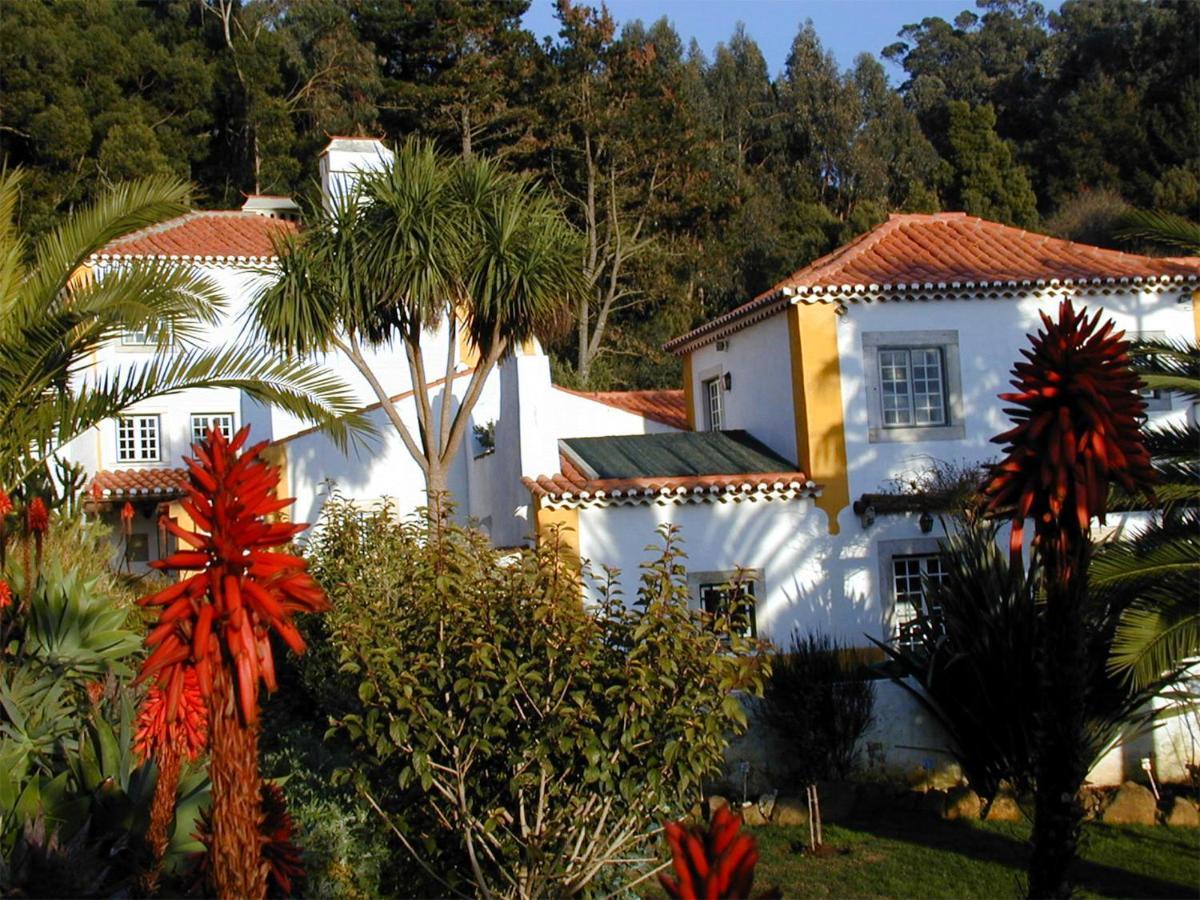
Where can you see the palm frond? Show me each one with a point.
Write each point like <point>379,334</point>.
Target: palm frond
<point>1126,562</point>
<point>305,390</point>
<point>1161,228</point>
<point>126,208</point>
<point>1152,639</point>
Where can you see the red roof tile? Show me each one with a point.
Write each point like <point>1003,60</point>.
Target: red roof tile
<point>908,252</point>
<point>128,483</point>
<point>570,484</point>
<point>663,406</point>
<point>223,233</point>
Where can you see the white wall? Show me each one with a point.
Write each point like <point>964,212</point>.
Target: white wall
<point>991,334</point>
<point>575,416</point>
<point>758,360</point>
<point>810,579</point>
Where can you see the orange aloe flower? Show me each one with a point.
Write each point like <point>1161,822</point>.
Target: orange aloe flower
<point>242,588</point>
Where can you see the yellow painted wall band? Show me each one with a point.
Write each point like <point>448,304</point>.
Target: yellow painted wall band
<point>817,404</point>
<point>689,392</point>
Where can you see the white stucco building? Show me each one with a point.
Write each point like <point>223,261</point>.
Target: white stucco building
<point>800,413</point>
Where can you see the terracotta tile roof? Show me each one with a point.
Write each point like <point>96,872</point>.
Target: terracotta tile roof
<point>685,467</point>
<point>950,252</point>
<point>132,483</point>
<point>225,234</point>
<point>663,406</point>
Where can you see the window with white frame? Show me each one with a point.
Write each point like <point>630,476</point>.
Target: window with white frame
<point>911,575</point>
<point>136,337</point>
<point>138,439</point>
<point>719,593</point>
<point>714,413</point>
<point>913,385</point>
<point>915,390</point>
<point>202,422</point>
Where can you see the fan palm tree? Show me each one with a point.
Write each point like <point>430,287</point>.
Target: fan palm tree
<point>1159,565</point>
<point>54,314</point>
<point>428,242</point>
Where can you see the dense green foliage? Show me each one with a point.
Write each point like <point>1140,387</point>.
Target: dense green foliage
<point>697,181</point>
<point>1153,567</point>
<point>514,741</point>
<point>819,700</point>
<point>977,663</point>
<point>74,798</point>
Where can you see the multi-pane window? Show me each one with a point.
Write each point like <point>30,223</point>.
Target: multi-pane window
<point>912,381</point>
<point>712,399</point>
<point>136,337</point>
<point>910,576</point>
<point>202,422</point>
<point>137,439</point>
<point>717,597</point>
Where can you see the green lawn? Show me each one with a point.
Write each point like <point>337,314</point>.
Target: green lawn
<point>913,856</point>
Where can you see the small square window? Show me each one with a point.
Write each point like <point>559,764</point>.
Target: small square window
<point>713,592</point>
<point>202,422</point>
<point>714,413</point>
<point>137,439</point>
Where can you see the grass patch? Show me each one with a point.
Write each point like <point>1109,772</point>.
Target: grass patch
<point>907,856</point>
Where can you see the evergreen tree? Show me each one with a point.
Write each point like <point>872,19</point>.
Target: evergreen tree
<point>981,176</point>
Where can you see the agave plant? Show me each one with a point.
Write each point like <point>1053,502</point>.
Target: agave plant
<point>976,663</point>
<point>1076,414</point>
<point>54,314</point>
<point>217,623</point>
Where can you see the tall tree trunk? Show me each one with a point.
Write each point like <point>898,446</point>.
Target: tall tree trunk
<point>1061,764</point>
<point>238,868</point>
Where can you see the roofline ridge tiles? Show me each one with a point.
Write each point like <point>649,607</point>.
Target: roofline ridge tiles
<point>1007,257</point>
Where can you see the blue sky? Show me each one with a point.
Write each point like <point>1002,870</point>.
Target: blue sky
<point>847,27</point>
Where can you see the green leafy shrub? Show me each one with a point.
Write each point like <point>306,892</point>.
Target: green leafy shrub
<point>514,741</point>
<point>819,700</point>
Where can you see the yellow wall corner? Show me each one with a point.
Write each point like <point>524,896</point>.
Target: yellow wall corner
<point>817,404</point>
<point>689,392</point>
<point>567,522</point>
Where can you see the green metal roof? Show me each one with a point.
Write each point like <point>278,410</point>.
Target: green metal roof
<point>674,454</point>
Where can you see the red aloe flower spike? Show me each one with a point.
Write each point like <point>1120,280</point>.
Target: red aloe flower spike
<point>37,517</point>
<point>185,732</point>
<point>217,622</point>
<point>1076,415</point>
<point>6,505</point>
<point>715,862</point>
<point>6,595</point>
<point>127,518</point>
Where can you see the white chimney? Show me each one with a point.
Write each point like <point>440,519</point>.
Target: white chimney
<point>342,162</point>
